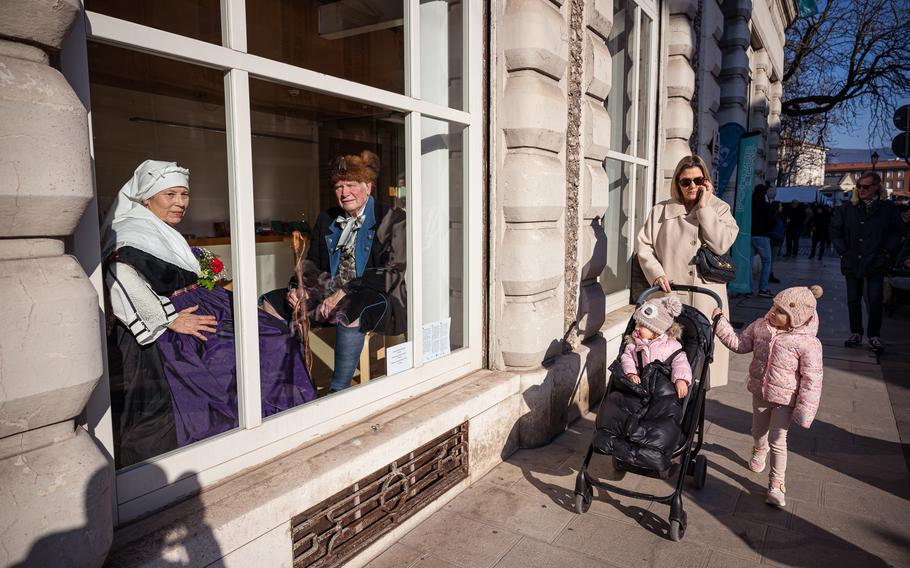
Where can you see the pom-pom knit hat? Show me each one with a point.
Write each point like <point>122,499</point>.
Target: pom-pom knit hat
<point>799,303</point>
<point>657,315</point>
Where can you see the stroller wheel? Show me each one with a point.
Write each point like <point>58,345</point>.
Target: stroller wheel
<point>701,471</point>
<point>583,499</point>
<point>677,531</point>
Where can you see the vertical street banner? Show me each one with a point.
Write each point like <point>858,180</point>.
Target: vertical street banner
<point>729,135</point>
<point>742,212</point>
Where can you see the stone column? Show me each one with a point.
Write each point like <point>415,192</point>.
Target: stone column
<point>761,85</point>
<point>678,116</point>
<point>734,74</point>
<point>712,30</point>
<point>776,92</point>
<point>55,501</point>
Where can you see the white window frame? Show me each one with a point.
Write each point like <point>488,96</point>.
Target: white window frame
<point>162,480</point>
<point>644,188</point>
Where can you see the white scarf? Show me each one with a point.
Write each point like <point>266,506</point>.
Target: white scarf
<point>129,223</point>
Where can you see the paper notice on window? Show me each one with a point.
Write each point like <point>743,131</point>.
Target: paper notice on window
<point>399,358</point>
<point>436,339</point>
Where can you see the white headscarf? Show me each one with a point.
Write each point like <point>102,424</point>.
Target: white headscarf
<point>129,223</point>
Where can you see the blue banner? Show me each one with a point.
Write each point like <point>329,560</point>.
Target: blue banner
<point>742,212</point>
<point>728,151</point>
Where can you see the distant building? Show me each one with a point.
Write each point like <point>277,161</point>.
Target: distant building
<point>838,186</point>
<point>895,173</point>
<point>801,164</point>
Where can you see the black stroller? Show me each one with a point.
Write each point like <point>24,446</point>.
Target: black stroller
<point>698,343</point>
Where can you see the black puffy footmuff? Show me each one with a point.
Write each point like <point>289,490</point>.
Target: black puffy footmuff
<point>639,424</point>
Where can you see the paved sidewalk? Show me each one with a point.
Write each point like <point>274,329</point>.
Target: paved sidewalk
<point>848,500</point>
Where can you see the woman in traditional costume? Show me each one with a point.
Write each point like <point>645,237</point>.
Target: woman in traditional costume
<point>173,368</point>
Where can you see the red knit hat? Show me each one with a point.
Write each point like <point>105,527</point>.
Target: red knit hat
<point>799,303</point>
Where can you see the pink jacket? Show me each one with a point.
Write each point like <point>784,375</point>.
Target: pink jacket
<point>786,366</point>
<point>657,349</point>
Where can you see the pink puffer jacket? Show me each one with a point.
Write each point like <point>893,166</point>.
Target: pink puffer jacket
<point>786,366</point>
<point>657,349</point>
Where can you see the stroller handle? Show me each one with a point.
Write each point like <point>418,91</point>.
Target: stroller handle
<point>681,288</point>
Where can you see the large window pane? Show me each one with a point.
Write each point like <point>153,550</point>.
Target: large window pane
<point>168,387</point>
<point>645,62</point>
<point>310,174</point>
<point>618,227</point>
<point>199,19</point>
<point>440,52</point>
<point>442,236</point>
<point>359,40</point>
<point>619,101</point>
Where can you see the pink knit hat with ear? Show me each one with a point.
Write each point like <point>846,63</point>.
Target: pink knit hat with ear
<point>657,315</point>
<point>799,303</point>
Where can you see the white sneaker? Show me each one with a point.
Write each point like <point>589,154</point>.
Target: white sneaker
<point>776,494</point>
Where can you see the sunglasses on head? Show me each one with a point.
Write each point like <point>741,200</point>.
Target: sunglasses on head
<point>686,182</point>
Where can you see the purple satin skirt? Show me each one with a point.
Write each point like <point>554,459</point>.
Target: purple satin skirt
<point>203,375</point>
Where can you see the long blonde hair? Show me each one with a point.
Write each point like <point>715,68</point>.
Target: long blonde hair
<point>854,198</point>
<point>693,161</point>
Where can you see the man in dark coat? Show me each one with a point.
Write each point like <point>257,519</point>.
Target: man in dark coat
<point>866,233</point>
<point>795,219</point>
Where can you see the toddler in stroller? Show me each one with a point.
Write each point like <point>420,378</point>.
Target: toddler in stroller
<point>654,404</point>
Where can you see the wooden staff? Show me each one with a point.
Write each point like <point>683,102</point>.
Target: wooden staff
<point>301,323</point>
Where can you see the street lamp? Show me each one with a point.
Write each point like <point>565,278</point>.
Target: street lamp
<point>874,160</point>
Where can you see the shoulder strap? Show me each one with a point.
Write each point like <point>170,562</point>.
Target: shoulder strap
<point>673,356</point>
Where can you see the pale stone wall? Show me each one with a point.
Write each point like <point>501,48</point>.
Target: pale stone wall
<point>55,506</point>
<point>776,92</point>
<point>679,117</point>
<point>760,106</point>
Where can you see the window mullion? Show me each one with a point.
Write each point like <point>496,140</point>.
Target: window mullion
<point>233,24</point>
<point>415,242</point>
<point>412,48</point>
<point>243,245</point>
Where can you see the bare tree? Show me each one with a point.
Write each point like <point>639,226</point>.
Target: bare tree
<point>853,55</point>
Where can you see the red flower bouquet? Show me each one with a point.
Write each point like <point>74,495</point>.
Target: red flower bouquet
<point>212,268</point>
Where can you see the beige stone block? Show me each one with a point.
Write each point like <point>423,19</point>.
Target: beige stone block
<point>599,16</point>
<point>592,309</point>
<point>762,61</point>
<point>534,36</point>
<point>595,190</point>
<point>56,505</point>
<point>675,149</point>
<point>598,76</point>
<point>50,342</point>
<point>680,77</point>
<point>530,329</point>
<point>532,259</point>
<point>11,249</point>
<point>681,36</point>
<point>532,187</point>
<point>735,62</point>
<point>45,22</point>
<point>711,93</point>
<point>18,50</point>
<point>533,113</point>
<point>733,90</point>
<point>592,248</point>
<point>777,89</point>
<point>736,33</point>
<point>37,438</point>
<point>687,7</point>
<point>679,119</point>
<point>595,126</point>
<point>45,175</point>
<point>493,436</point>
<point>713,58</point>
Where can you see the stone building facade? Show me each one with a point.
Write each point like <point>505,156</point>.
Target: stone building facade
<point>577,110</point>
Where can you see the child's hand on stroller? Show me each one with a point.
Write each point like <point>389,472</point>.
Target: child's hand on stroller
<point>682,388</point>
<point>717,312</point>
<point>634,378</point>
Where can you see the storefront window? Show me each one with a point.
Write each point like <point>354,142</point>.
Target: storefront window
<point>165,394</point>
<point>358,40</point>
<point>440,52</point>
<point>199,19</point>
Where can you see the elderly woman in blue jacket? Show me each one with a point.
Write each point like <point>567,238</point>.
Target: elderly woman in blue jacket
<point>866,233</point>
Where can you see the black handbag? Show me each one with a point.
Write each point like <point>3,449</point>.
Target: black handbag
<point>713,267</point>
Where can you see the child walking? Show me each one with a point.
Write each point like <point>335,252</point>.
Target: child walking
<point>785,376</point>
<point>655,339</point>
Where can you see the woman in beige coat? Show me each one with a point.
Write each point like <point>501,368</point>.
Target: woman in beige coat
<point>672,235</point>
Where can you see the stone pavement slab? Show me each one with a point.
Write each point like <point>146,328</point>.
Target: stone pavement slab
<point>848,498</point>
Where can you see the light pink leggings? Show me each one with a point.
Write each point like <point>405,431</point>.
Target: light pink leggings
<point>769,428</point>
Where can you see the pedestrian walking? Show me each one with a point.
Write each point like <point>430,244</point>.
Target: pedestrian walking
<point>795,220</point>
<point>820,225</point>
<point>785,377</point>
<point>763,221</point>
<point>866,233</point>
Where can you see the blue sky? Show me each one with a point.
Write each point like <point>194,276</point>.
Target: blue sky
<point>856,135</point>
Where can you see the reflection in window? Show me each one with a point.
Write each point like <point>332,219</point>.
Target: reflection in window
<point>440,52</point>
<point>334,170</point>
<point>619,101</point>
<point>617,226</point>
<point>159,139</point>
<point>358,40</point>
<point>442,237</point>
<point>199,19</point>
